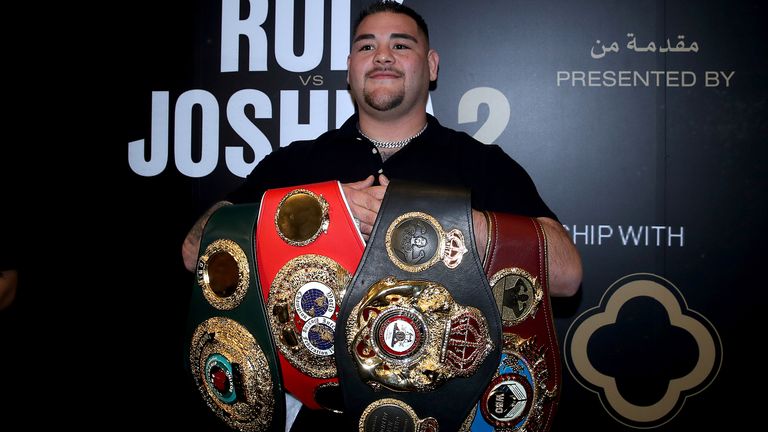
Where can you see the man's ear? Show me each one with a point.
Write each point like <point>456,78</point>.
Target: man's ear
<point>347,70</point>
<point>433,59</point>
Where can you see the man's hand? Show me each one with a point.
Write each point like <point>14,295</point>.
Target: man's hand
<point>365,200</point>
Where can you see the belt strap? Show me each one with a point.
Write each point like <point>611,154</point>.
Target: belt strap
<point>419,284</point>
<point>524,392</point>
<point>230,349</point>
<point>307,248</point>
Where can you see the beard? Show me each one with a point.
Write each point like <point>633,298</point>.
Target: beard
<point>382,100</point>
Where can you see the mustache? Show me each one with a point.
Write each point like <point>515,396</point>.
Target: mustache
<point>398,72</point>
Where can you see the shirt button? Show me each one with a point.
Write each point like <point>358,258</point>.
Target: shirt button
<point>381,170</point>
<point>374,151</point>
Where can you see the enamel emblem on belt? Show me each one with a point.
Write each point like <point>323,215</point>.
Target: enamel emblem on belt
<point>232,374</point>
<point>515,398</point>
<point>415,241</point>
<point>302,307</point>
<point>411,335</point>
<point>517,294</point>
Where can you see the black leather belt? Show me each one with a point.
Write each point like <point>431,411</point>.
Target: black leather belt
<point>419,334</point>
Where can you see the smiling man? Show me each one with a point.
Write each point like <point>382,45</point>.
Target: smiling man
<point>391,136</point>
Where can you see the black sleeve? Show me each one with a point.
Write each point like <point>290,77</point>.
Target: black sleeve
<point>501,184</point>
<point>278,169</point>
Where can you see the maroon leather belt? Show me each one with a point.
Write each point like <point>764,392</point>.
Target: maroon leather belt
<point>524,392</point>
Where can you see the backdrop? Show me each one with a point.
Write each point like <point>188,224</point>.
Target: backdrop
<point>642,123</point>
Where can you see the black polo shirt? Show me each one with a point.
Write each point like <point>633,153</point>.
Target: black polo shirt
<point>439,155</point>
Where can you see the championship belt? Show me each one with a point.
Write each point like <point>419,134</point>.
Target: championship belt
<point>230,349</point>
<point>420,334</point>
<point>524,392</point>
<point>307,248</point>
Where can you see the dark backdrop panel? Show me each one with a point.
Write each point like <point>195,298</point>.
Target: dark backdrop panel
<point>662,180</point>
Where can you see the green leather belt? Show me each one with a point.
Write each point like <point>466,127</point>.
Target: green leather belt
<point>230,348</point>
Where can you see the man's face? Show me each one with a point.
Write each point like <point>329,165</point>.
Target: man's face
<point>390,65</point>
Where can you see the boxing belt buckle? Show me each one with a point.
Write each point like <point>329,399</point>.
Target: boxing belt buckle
<point>307,246</point>
<point>230,351</point>
<point>419,335</point>
<point>524,392</point>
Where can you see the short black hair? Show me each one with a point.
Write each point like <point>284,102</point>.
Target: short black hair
<point>392,7</point>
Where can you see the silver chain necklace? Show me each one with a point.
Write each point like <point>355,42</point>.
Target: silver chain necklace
<point>392,144</point>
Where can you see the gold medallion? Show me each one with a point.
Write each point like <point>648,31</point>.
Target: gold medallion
<point>304,300</point>
<point>223,274</point>
<point>410,335</point>
<point>301,217</point>
<point>395,415</point>
<point>415,241</point>
<point>232,374</point>
<point>517,294</point>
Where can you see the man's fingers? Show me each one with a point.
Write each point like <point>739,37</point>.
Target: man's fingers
<point>383,180</point>
<point>362,184</point>
<point>377,192</point>
<point>366,217</point>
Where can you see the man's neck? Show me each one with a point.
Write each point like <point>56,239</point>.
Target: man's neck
<point>394,129</point>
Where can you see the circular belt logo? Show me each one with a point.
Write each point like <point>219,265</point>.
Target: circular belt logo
<point>399,333</point>
<point>314,300</point>
<point>507,400</point>
<point>232,374</point>
<point>415,241</point>
<point>218,374</point>
<point>317,335</point>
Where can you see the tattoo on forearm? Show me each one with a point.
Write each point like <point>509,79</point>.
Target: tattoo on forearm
<point>197,229</point>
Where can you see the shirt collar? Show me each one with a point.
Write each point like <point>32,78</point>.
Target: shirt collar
<point>349,128</point>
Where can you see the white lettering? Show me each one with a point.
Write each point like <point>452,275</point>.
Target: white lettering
<point>728,77</point>
<point>688,79</point>
<point>603,232</point>
<point>340,10</point>
<point>630,233</point>
<point>498,112</point>
<point>576,234</point>
<point>313,35</point>
<point>255,138</point>
<point>232,27</point>
<point>670,235</point>
<point>183,137</point>
<point>290,128</point>
<point>712,78</point>
<point>648,78</point>
<point>158,150</point>
<point>658,230</point>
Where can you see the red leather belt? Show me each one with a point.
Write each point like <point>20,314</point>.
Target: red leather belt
<point>307,248</point>
<point>524,392</point>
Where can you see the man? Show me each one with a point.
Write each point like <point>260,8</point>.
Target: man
<point>390,67</point>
